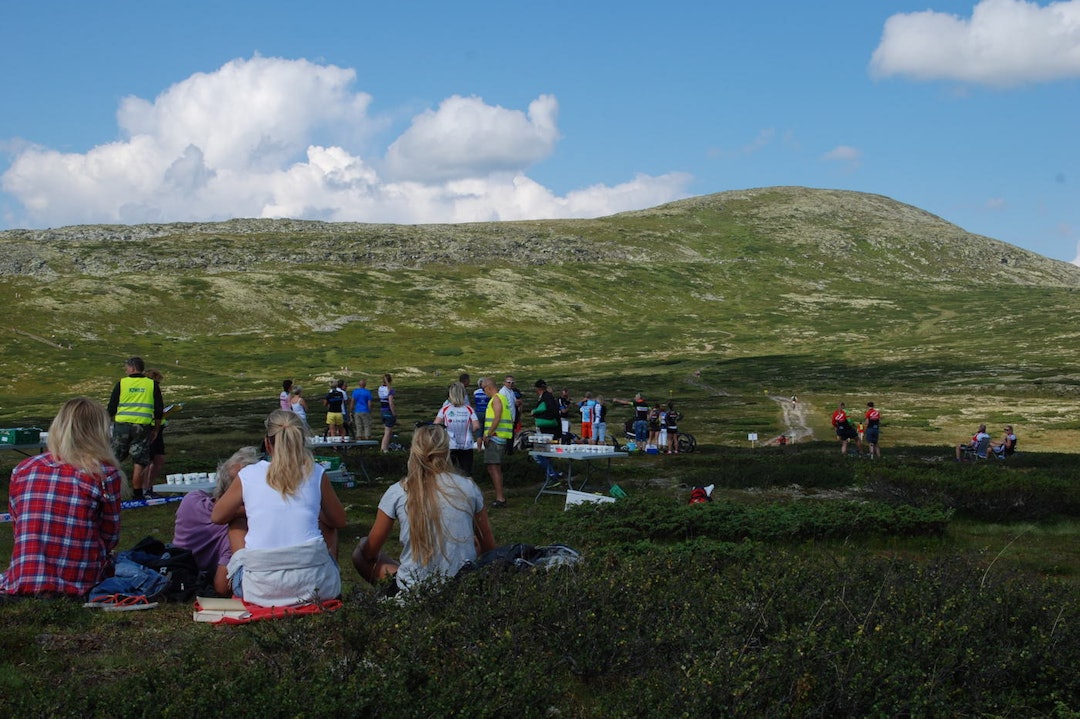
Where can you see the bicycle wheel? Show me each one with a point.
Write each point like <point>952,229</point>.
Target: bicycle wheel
<point>687,443</point>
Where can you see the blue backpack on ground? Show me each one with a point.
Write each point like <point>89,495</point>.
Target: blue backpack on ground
<point>153,570</point>
<point>131,579</point>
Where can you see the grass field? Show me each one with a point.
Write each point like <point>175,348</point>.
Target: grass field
<point>814,584</point>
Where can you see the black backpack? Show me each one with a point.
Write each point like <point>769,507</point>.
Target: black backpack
<point>525,556</point>
<point>175,563</point>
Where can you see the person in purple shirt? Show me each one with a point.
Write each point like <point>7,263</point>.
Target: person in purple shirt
<point>194,531</point>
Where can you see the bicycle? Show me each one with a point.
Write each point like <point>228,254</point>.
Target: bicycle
<point>685,442</point>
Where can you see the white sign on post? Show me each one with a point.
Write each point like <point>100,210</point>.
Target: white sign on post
<point>753,439</point>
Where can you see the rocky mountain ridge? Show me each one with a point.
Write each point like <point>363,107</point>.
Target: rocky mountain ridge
<point>802,224</point>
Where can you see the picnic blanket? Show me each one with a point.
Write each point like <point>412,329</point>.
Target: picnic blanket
<point>254,613</point>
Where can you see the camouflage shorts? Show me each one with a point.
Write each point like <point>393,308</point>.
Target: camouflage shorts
<point>131,439</point>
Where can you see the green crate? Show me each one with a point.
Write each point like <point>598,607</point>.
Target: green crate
<point>331,463</point>
<point>20,435</point>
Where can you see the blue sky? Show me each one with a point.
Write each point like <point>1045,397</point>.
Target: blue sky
<point>445,112</point>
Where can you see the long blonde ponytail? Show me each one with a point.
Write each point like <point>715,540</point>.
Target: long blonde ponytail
<point>291,460</point>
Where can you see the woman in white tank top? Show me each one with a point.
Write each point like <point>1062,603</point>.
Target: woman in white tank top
<point>280,556</point>
<point>298,404</point>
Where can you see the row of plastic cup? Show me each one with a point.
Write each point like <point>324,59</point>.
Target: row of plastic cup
<point>577,448</point>
<point>192,478</point>
<point>328,440</point>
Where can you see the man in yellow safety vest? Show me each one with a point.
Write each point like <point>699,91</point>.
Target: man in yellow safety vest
<point>497,435</point>
<point>136,407</point>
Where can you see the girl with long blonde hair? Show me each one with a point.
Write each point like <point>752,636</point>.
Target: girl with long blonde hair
<point>65,505</point>
<point>79,436</point>
<point>285,559</point>
<point>442,519</point>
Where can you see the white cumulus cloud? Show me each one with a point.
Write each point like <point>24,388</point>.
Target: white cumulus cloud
<point>764,138</point>
<point>272,137</point>
<point>850,157</point>
<point>1004,43</point>
<point>466,138</point>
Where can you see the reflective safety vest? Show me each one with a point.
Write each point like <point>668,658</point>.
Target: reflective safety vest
<point>505,429</point>
<point>136,404</point>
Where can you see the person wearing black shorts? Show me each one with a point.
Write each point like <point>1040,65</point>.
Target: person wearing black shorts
<point>873,430</point>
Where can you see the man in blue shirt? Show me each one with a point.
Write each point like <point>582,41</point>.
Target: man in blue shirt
<point>361,410</point>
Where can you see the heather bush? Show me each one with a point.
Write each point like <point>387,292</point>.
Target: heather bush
<point>808,467</point>
<point>658,519</point>
<point>747,630</point>
<point>988,492</point>
<point>719,609</point>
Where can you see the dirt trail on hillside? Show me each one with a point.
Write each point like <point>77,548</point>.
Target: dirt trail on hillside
<point>39,339</point>
<point>793,414</point>
<point>695,380</point>
<point>794,417</point>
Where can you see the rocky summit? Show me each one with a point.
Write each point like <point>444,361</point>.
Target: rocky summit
<point>804,229</point>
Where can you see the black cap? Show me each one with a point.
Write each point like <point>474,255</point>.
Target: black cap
<point>540,383</point>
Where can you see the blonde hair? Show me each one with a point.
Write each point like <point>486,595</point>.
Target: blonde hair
<point>456,394</point>
<point>226,471</point>
<point>79,436</point>
<point>292,460</point>
<point>429,457</point>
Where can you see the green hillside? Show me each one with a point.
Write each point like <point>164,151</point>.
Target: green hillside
<point>718,301</point>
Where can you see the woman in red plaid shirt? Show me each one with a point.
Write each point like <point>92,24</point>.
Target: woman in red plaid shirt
<point>65,504</point>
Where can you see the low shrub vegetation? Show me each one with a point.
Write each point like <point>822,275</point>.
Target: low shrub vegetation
<point>988,492</point>
<point>814,585</point>
<point>657,632</point>
<point>646,518</point>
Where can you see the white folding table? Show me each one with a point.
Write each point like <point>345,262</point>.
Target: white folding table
<point>573,455</point>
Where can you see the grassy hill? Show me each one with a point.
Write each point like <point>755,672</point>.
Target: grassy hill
<point>721,302</point>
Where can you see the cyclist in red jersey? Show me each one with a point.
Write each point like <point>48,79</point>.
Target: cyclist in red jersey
<point>873,430</point>
<point>844,431</point>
